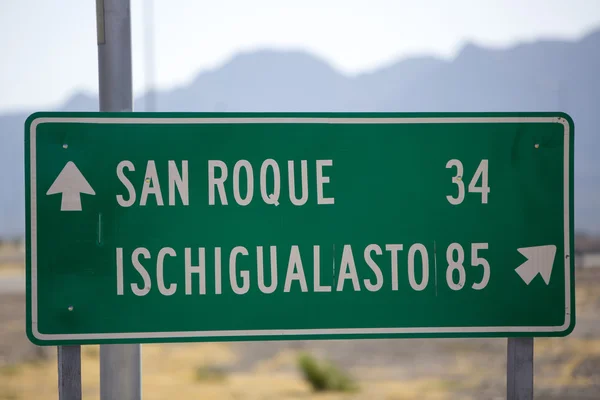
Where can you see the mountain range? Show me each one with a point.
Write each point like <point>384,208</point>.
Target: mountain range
<point>543,75</point>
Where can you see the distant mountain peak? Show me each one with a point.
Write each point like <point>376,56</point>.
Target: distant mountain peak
<point>269,59</point>
<point>81,101</point>
<point>471,51</point>
<point>593,36</point>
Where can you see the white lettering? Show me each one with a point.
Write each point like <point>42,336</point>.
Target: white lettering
<point>127,183</point>
<point>393,249</point>
<point>142,271</point>
<point>317,270</point>
<point>321,180</point>
<point>270,198</point>
<point>219,182</point>
<point>217,270</point>
<point>232,273</point>
<point>292,184</point>
<point>199,269</point>
<point>151,185</point>
<point>295,263</point>
<point>260,269</point>
<point>477,260</point>
<point>159,272</point>
<point>455,265</point>
<point>348,270</point>
<point>373,287</point>
<point>179,180</point>
<point>411,266</point>
<point>236,183</point>
<point>119,271</point>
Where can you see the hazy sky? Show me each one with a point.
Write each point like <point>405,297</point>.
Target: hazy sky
<point>49,46</point>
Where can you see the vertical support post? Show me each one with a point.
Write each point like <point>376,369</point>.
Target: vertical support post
<point>120,364</point>
<point>519,369</point>
<point>150,99</point>
<point>69,372</point>
<point>120,372</point>
<point>114,55</point>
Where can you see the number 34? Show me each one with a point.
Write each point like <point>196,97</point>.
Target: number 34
<point>481,172</point>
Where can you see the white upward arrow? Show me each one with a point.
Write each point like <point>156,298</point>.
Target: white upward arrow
<point>539,261</point>
<point>71,183</point>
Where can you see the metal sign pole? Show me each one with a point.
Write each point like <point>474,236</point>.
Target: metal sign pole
<point>120,365</point>
<point>519,371</point>
<point>69,372</point>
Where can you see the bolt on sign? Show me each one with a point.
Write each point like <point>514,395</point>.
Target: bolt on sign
<point>156,227</point>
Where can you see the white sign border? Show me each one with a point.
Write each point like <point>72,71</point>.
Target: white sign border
<point>292,332</point>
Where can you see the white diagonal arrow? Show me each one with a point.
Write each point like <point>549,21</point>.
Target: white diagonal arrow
<point>71,183</point>
<point>540,260</point>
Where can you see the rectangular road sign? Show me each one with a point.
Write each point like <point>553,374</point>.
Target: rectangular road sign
<point>153,227</point>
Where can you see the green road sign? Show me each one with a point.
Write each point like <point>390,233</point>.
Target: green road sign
<point>154,227</point>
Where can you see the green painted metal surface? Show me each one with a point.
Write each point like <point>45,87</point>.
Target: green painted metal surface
<point>152,227</point>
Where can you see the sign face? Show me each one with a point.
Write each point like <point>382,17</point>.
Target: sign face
<point>155,227</point>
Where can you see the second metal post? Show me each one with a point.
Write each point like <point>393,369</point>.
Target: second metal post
<point>519,369</point>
